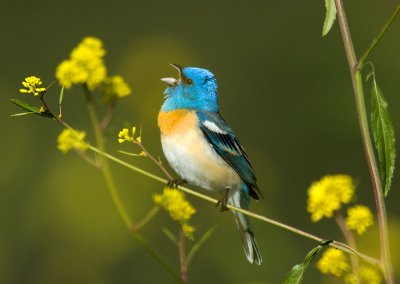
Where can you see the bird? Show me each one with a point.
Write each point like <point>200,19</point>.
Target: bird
<point>204,151</point>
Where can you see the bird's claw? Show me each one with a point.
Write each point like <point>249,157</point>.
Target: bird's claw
<point>174,183</point>
<point>223,202</point>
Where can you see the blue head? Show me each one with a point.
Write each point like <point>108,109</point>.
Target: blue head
<point>196,89</point>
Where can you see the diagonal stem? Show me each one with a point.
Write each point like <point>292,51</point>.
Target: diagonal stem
<point>376,40</point>
<point>356,78</point>
<point>104,165</point>
<point>334,244</point>
<point>349,237</point>
<point>182,256</point>
<point>106,171</point>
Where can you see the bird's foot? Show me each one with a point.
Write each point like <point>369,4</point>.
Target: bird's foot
<point>174,183</point>
<point>223,202</point>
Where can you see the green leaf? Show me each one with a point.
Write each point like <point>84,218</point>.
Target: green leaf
<point>31,109</point>
<point>383,132</point>
<point>329,17</point>
<point>130,154</point>
<point>60,101</point>
<point>22,113</point>
<point>297,272</point>
<point>170,236</point>
<point>61,96</point>
<point>198,244</point>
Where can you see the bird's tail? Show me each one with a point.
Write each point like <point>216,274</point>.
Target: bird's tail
<point>241,198</point>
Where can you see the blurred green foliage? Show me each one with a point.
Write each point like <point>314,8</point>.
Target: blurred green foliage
<point>284,89</point>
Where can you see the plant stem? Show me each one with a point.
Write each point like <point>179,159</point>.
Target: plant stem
<point>109,115</point>
<point>104,166</point>
<point>377,39</point>
<point>152,212</point>
<point>335,244</point>
<point>106,171</point>
<point>349,237</point>
<point>156,161</point>
<point>356,78</point>
<point>141,240</point>
<point>182,256</point>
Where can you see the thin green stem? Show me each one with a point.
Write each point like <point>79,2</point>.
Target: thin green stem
<point>152,212</point>
<point>377,39</point>
<point>104,166</point>
<point>154,160</point>
<point>349,237</point>
<point>139,238</point>
<point>356,78</point>
<point>335,244</point>
<point>182,256</point>
<point>106,171</point>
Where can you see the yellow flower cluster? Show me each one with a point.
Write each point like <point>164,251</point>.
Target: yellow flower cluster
<point>31,84</point>
<point>174,201</point>
<point>359,218</point>
<point>71,139</point>
<point>85,65</point>
<point>114,87</point>
<point>125,136</point>
<point>328,194</point>
<point>334,262</point>
<point>367,275</point>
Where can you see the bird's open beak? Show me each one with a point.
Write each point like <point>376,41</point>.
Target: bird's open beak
<point>169,81</point>
<point>173,81</point>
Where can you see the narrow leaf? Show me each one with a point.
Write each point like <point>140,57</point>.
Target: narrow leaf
<point>30,108</point>
<point>129,153</point>
<point>329,17</point>
<point>170,236</point>
<point>22,113</point>
<point>198,244</point>
<point>297,272</point>
<point>383,132</point>
<point>61,96</point>
<point>60,101</point>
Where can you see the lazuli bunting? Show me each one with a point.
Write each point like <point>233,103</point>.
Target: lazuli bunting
<point>202,148</point>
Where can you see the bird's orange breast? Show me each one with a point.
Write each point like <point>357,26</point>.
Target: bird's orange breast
<point>172,122</point>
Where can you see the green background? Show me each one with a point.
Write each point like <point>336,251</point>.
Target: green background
<point>284,89</point>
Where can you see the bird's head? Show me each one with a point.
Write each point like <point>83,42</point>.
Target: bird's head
<point>195,88</point>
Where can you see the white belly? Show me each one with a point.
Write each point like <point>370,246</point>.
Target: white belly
<point>192,157</point>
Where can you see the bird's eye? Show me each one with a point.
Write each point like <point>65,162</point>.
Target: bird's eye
<point>189,81</point>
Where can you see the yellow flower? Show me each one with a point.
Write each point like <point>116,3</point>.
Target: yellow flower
<point>114,87</point>
<point>367,275</point>
<point>124,135</point>
<point>326,195</point>
<point>85,66</point>
<point>71,139</point>
<point>70,72</point>
<point>188,230</point>
<point>359,218</point>
<point>174,201</point>
<point>42,109</point>
<point>31,84</point>
<point>334,262</point>
<point>370,275</point>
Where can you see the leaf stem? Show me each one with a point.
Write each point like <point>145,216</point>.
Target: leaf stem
<point>156,161</point>
<point>335,244</point>
<point>152,212</point>
<point>104,166</point>
<point>106,171</point>
<point>356,78</point>
<point>377,39</point>
<point>182,256</point>
<point>349,237</point>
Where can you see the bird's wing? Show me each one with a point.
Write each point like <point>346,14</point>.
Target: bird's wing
<point>225,143</point>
